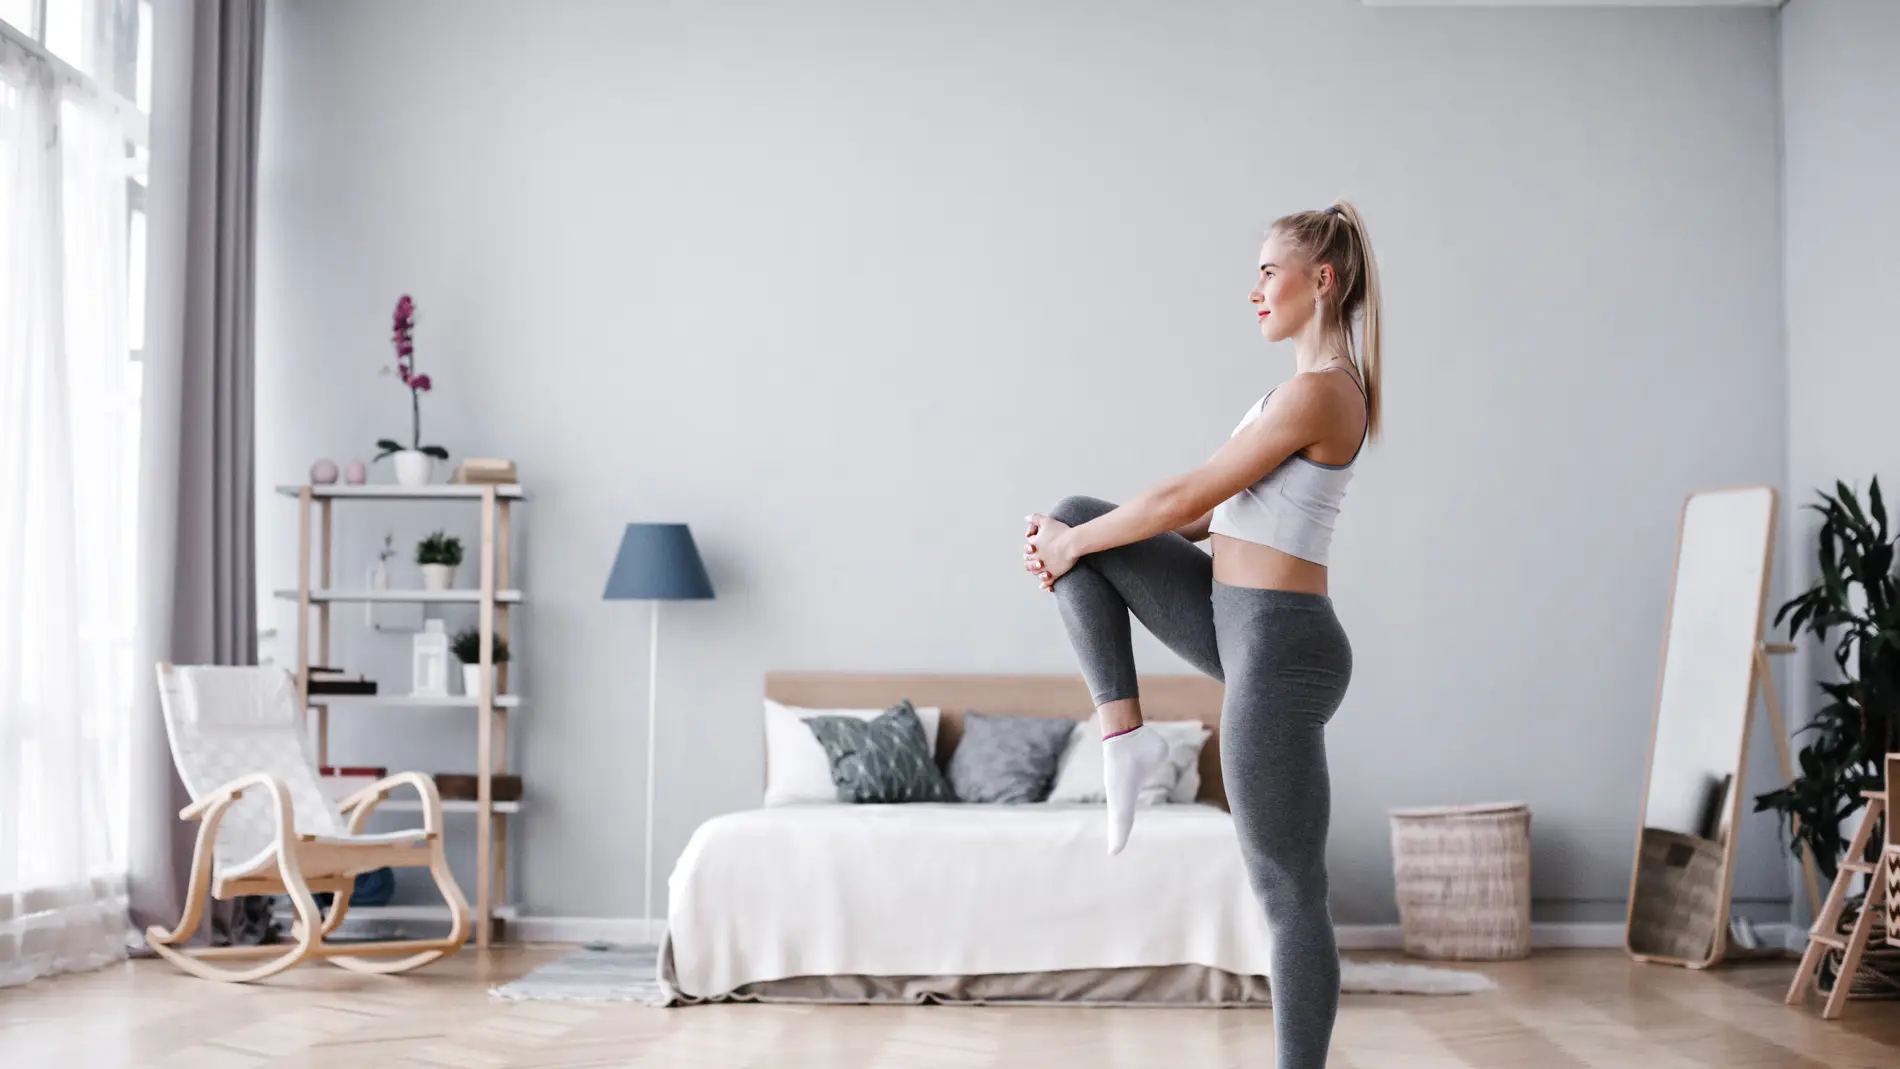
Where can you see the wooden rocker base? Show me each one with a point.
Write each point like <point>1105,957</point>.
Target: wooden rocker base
<point>334,866</point>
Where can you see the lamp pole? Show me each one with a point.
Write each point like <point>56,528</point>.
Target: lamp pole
<point>653,719</point>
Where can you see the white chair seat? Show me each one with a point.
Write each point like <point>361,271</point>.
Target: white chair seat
<point>266,858</point>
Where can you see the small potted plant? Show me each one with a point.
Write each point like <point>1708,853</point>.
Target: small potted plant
<point>439,554</point>
<point>467,647</point>
<point>415,463</point>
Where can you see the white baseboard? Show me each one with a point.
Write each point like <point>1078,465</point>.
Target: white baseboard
<point>1597,935</point>
<point>1543,936</point>
<point>1350,936</point>
<point>1367,936</point>
<point>588,930</point>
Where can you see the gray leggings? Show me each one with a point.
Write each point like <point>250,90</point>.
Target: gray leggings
<point>1285,661</point>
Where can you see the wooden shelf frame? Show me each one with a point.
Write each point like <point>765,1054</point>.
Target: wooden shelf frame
<point>492,600</point>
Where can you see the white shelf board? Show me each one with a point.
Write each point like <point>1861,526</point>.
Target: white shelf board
<point>405,701</point>
<point>427,597</point>
<point>459,805</point>
<point>390,491</point>
<point>404,913</point>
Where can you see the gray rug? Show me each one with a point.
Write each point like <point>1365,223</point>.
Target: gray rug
<point>597,972</point>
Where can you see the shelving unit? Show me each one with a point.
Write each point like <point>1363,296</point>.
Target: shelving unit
<point>314,596</point>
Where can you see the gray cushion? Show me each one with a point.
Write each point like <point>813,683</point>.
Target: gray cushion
<point>1008,758</point>
<point>884,759</point>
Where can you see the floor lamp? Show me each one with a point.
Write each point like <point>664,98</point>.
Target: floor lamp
<point>657,562</point>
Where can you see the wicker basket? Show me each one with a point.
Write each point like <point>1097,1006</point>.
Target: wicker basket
<point>1677,895</point>
<point>1464,880</point>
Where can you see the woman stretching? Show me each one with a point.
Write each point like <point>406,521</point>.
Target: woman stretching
<point>1256,615</point>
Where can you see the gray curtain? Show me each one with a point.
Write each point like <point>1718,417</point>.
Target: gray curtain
<point>198,599</point>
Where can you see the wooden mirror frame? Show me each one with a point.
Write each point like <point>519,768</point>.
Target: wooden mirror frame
<point>1760,682</point>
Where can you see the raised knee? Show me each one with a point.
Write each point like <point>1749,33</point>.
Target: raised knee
<point>1077,509</point>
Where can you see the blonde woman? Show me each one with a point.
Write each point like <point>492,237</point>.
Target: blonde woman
<point>1256,614</point>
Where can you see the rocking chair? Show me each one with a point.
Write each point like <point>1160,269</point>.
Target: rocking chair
<point>267,827</point>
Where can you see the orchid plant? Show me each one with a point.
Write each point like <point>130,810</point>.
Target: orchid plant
<point>405,322</point>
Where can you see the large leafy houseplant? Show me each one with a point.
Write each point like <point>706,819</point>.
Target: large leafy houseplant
<point>1856,602</point>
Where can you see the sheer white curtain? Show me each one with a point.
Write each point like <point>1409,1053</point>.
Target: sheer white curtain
<point>68,471</point>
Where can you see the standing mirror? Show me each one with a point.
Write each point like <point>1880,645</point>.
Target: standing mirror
<point>1711,665</point>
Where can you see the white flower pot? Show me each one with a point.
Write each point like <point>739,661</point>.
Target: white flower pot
<point>413,467</point>
<point>438,576</point>
<point>472,680</point>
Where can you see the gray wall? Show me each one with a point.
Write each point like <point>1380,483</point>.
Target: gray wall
<point>1840,91</point>
<point>851,287</point>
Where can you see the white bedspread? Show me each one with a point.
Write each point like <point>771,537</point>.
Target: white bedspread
<point>956,890</point>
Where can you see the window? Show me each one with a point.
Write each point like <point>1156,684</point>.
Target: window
<point>20,13</point>
<point>92,60</point>
<point>103,47</point>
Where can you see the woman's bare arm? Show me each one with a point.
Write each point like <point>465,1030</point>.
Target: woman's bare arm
<point>1298,416</point>
<point>1196,530</point>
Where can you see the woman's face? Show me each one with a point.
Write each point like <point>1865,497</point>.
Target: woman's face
<point>1286,294</point>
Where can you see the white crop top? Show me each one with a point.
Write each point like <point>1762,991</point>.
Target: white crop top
<point>1293,507</point>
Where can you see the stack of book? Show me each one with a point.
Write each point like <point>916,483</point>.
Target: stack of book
<point>327,680</point>
<point>484,470</point>
<point>462,786</point>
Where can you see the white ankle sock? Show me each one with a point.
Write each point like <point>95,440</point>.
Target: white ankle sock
<point>1128,760</point>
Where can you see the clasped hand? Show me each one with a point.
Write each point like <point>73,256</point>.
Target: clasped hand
<point>1047,554</point>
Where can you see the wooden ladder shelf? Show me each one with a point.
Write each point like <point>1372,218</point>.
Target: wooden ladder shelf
<point>1825,936</point>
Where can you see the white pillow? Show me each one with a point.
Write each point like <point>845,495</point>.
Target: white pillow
<point>797,772</point>
<point>1187,789</point>
<point>1176,781</point>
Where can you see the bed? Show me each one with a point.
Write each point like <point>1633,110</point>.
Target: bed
<point>969,902</point>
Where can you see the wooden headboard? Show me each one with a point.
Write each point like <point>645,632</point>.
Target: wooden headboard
<point>1175,697</point>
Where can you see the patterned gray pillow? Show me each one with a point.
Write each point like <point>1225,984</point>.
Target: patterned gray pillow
<point>1008,759</point>
<point>884,759</point>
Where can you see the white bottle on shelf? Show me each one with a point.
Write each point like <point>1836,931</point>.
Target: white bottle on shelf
<point>429,675</point>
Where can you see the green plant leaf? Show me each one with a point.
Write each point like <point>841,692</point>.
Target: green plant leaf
<point>435,451</point>
<point>1831,576</point>
<point>1879,562</point>
<point>1847,500</point>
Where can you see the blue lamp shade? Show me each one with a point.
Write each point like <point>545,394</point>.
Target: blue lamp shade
<point>657,562</point>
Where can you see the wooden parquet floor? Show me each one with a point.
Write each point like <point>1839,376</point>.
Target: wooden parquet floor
<point>1558,1010</point>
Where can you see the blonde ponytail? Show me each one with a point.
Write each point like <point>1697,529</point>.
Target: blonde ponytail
<point>1337,236</point>
<point>1368,316</point>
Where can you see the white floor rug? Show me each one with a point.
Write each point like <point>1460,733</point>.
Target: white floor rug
<point>601,973</point>
<point>595,973</point>
<point>1398,978</point>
